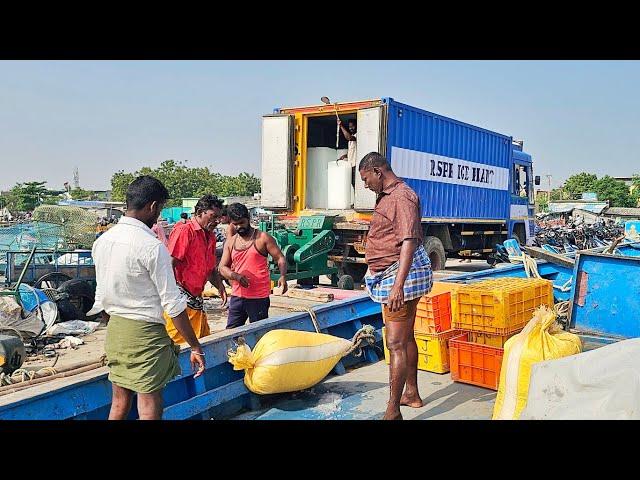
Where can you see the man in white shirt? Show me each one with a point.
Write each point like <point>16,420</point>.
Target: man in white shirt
<point>351,155</point>
<point>135,284</point>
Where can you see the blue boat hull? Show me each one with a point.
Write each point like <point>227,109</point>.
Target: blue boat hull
<point>220,392</point>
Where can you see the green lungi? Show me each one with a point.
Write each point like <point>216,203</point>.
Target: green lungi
<point>140,355</point>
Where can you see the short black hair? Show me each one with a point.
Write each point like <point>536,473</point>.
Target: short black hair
<point>238,211</point>
<point>184,215</point>
<point>207,202</point>
<point>144,190</point>
<point>373,159</point>
<point>352,120</point>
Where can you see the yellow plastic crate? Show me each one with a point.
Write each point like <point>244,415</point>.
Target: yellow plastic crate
<point>490,339</point>
<point>501,306</point>
<point>433,350</point>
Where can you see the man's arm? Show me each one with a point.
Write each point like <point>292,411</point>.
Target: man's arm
<point>158,263</point>
<point>407,228</point>
<point>396,297</point>
<point>345,132</point>
<point>178,244</point>
<point>173,301</point>
<point>276,254</point>
<point>216,280</point>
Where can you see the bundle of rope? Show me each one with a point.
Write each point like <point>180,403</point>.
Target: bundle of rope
<point>531,269</point>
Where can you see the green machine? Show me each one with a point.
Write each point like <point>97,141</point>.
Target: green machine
<point>306,249</point>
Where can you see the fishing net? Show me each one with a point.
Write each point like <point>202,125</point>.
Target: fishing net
<point>53,227</point>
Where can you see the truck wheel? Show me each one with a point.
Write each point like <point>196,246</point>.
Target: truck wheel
<point>81,295</point>
<point>357,271</point>
<point>345,282</point>
<point>436,253</point>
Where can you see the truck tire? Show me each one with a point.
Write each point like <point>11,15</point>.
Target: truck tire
<point>357,271</point>
<point>81,295</point>
<point>436,253</point>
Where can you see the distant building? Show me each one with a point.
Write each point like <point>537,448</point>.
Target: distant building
<point>566,206</point>
<point>622,213</point>
<point>103,195</point>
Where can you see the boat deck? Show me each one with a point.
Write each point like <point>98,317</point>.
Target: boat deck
<point>362,394</point>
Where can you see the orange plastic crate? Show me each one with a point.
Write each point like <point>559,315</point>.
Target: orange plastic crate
<point>475,363</point>
<point>433,314</point>
<point>501,306</point>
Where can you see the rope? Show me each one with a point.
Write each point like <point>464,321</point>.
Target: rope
<point>531,268</point>
<point>561,309</point>
<point>312,314</point>
<point>365,334</point>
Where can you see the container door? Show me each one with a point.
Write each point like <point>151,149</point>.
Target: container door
<point>277,161</point>
<point>369,139</point>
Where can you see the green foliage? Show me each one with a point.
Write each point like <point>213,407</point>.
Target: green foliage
<point>557,194</point>
<point>184,182</point>
<point>119,183</point>
<point>615,191</point>
<point>542,204</point>
<point>81,194</point>
<point>580,183</point>
<point>607,188</point>
<point>27,196</point>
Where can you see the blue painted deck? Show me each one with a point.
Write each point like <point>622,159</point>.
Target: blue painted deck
<point>220,391</point>
<point>362,394</point>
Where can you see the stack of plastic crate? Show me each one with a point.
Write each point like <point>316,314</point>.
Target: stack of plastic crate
<point>489,313</point>
<point>432,329</point>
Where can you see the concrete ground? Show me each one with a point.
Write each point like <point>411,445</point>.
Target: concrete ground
<point>362,394</point>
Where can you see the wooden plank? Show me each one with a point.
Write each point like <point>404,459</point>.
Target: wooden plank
<point>554,258</point>
<point>322,297</point>
<point>290,303</point>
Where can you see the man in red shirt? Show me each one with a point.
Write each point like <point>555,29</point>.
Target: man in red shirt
<point>193,248</point>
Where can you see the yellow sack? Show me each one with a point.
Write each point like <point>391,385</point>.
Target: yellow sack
<point>288,360</point>
<point>541,339</point>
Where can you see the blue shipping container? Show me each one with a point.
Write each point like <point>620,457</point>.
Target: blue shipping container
<point>458,170</point>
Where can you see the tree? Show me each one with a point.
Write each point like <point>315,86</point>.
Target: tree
<point>81,194</point>
<point>635,189</point>
<point>119,183</point>
<point>616,191</point>
<point>184,182</point>
<point>542,203</point>
<point>580,183</point>
<point>27,196</point>
<point>557,194</point>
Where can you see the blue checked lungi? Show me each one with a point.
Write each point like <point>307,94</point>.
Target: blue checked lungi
<point>418,283</point>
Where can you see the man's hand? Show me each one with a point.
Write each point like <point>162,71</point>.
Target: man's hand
<point>396,298</point>
<point>343,157</point>
<point>197,361</point>
<point>241,279</point>
<point>282,283</point>
<point>223,295</point>
<point>339,121</point>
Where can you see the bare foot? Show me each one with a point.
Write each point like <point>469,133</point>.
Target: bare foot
<point>392,416</point>
<point>413,401</point>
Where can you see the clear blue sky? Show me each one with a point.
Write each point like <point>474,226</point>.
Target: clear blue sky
<point>103,116</point>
